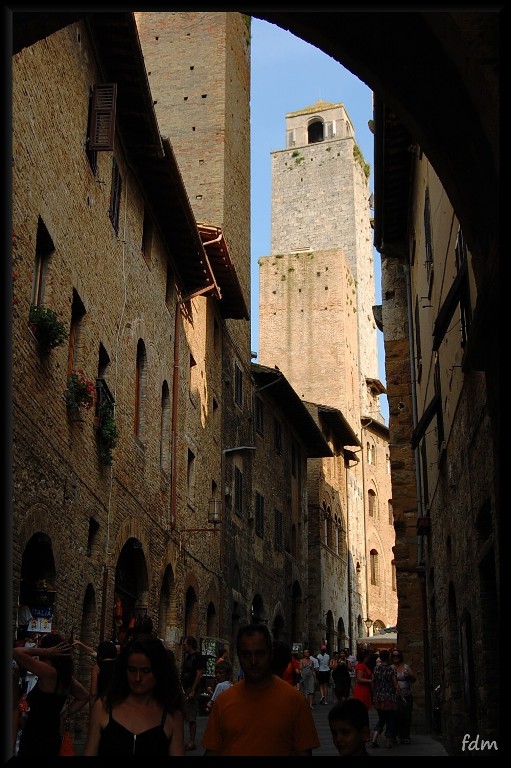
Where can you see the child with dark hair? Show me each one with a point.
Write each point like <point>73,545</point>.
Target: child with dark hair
<point>349,726</point>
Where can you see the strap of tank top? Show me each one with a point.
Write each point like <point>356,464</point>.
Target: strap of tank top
<point>163,717</point>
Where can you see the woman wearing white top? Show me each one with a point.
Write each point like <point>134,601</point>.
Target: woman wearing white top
<point>324,674</point>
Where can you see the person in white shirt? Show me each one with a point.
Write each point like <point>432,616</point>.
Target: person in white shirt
<point>324,674</point>
<point>223,673</point>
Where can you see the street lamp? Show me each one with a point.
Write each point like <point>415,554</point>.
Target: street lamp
<point>214,518</point>
<point>369,623</point>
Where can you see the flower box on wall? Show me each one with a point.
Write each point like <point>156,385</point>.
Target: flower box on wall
<point>44,323</point>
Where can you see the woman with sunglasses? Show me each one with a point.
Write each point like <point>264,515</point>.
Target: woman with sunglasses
<point>405,678</point>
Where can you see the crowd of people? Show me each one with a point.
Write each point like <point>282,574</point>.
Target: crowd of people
<point>141,703</point>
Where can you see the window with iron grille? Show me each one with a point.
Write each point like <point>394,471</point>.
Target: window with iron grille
<point>259,415</point>
<point>279,541</point>
<point>277,436</point>
<point>259,514</point>
<point>238,385</point>
<point>238,491</point>
<point>115,196</point>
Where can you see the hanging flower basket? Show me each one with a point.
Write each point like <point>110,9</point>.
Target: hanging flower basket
<point>44,323</point>
<point>80,393</point>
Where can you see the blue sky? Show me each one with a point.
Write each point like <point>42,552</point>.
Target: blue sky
<point>288,74</point>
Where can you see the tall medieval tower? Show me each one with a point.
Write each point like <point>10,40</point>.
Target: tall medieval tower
<point>316,324</point>
<point>198,65</point>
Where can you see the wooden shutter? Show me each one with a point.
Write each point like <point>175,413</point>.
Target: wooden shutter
<point>102,124</point>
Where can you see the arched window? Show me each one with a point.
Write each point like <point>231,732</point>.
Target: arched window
<point>315,132</point>
<point>371,503</point>
<point>375,575</point>
<point>140,386</point>
<point>165,428</point>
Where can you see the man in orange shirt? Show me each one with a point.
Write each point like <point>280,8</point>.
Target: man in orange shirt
<point>261,715</point>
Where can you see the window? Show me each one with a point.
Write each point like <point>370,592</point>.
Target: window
<point>238,385</point>
<point>259,415</point>
<point>391,512</point>
<point>330,130</point>
<point>428,238</point>
<point>277,437</point>
<point>279,541</point>
<point>465,307</point>
<point>43,251</point>
<point>259,514</point>
<point>387,463</point>
<point>140,383</point>
<point>102,117</point>
<point>375,576</point>
<point>238,491</point>
<point>393,575</point>
<point>439,413</point>
<point>371,502</point>
<point>418,350</point>
<point>147,236</point>
<point>192,380</point>
<point>457,295</point>
<point>290,138</point>
<point>77,315</point>
<point>115,196</point>
<point>315,132</point>
<point>165,428</point>
<point>190,475</point>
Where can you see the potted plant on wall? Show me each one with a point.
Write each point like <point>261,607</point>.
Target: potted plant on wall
<point>49,331</point>
<point>80,393</point>
<point>107,432</point>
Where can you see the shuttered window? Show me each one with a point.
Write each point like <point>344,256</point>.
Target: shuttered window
<point>102,117</point>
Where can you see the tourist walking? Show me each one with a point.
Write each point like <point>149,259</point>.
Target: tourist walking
<point>363,679</point>
<point>262,715</point>
<point>324,674</point>
<point>340,671</point>
<point>101,672</point>
<point>141,714</point>
<point>308,676</point>
<point>405,679</point>
<point>223,675</point>
<point>386,692</point>
<point>51,661</point>
<point>191,676</point>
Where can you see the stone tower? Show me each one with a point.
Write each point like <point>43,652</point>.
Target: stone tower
<point>198,65</point>
<point>322,238</point>
<point>316,323</point>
